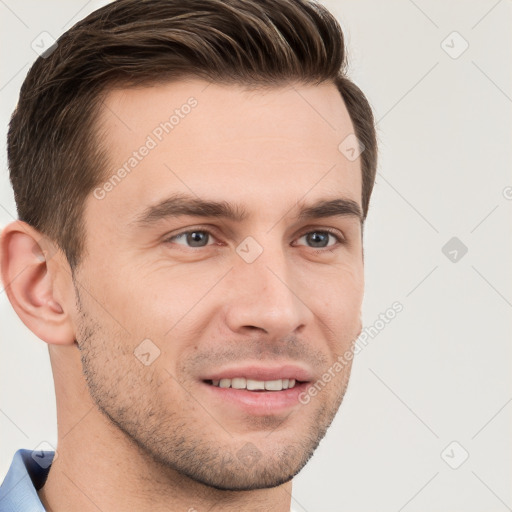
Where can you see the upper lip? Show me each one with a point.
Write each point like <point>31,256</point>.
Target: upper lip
<point>262,372</point>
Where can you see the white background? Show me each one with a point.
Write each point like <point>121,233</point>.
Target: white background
<point>440,371</point>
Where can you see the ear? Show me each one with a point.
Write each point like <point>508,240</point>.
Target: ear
<point>34,280</point>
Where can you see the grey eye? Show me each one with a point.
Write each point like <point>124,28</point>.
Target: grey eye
<point>194,238</point>
<point>319,239</point>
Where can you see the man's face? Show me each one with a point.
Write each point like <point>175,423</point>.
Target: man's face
<point>165,315</point>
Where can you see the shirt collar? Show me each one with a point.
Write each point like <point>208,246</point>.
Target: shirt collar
<point>27,474</point>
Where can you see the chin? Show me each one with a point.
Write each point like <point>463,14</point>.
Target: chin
<point>249,480</point>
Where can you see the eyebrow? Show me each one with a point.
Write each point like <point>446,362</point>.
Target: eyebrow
<point>185,205</point>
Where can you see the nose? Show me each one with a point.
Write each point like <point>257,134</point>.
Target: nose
<point>267,295</point>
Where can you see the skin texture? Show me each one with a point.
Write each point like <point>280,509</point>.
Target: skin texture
<point>152,437</point>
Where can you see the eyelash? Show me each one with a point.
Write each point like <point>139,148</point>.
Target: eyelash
<point>334,233</point>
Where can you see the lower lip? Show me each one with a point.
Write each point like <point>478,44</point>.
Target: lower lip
<point>260,403</point>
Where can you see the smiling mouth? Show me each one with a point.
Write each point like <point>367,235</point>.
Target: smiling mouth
<point>254,385</point>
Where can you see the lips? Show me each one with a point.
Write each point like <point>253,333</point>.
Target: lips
<point>230,401</point>
<point>261,373</point>
<point>257,389</point>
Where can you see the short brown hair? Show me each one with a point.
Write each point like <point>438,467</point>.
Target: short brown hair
<point>55,158</point>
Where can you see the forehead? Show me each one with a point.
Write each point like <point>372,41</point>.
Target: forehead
<point>267,147</point>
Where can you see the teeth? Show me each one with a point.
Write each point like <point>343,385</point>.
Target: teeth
<point>255,385</point>
<point>239,383</point>
<point>225,383</point>
<point>274,385</point>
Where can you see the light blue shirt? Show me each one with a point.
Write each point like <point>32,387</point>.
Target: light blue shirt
<point>27,474</point>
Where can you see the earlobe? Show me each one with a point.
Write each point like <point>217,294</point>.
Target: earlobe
<point>31,283</point>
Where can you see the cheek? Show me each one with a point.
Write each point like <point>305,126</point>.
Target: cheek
<point>159,296</point>
<point>337,303</point>
<point>339,295</point>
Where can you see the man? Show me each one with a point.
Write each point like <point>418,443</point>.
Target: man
<point>192,180</point>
